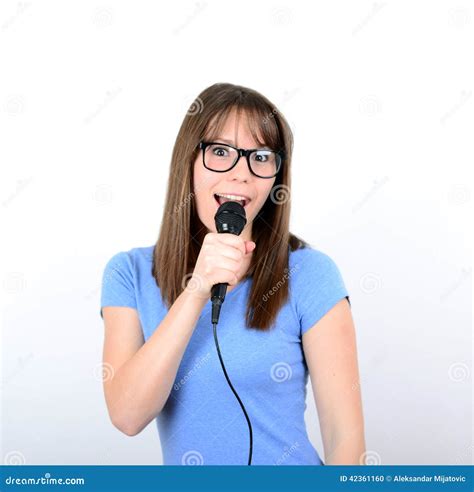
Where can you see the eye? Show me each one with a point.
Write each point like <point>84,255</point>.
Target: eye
<point>261,156</point>
<point>219,151</point>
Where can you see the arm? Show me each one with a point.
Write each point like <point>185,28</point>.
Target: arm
<point>331,354</point>
<point>143,373</point>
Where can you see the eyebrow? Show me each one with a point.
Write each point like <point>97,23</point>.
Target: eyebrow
<point>230,142</point>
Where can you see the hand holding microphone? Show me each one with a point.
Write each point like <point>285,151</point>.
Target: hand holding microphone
<point>220,260</point>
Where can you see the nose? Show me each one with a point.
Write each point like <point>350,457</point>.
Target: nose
<point>240,171</point>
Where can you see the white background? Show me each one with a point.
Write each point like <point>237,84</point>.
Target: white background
<point>379,97</point>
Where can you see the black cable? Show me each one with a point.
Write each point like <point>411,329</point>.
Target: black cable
<point>235,393</point>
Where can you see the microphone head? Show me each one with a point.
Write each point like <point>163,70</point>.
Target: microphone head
<point>230,217</point>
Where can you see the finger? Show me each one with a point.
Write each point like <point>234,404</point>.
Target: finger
<point>232,240</point>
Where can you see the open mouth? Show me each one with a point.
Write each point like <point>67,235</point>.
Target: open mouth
<point>221,198</point>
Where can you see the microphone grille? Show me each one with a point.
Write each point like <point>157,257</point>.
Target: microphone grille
<point>230,217</point>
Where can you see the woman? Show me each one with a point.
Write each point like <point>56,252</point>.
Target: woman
<point>286,312</point>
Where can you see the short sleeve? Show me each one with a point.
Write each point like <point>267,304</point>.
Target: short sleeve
<point>319,286</point>
<point>118,283</point>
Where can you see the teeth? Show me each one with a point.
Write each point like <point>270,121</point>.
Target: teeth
<point>233,197</point>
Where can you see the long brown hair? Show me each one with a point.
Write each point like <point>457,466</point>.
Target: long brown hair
<point>182,232</point>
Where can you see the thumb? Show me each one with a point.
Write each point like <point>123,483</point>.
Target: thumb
<point>249,246</point>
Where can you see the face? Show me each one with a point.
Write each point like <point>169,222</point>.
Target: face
<point>238,181</point>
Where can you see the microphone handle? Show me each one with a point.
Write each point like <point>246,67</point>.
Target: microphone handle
<point>218,292</point>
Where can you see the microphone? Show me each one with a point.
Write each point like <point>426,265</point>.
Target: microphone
<point>230,217</point>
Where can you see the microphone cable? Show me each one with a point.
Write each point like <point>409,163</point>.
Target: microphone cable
<point>235,393</point>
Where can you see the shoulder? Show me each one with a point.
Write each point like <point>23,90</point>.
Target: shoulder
<point>316,285</point>
<point>128,262</point>
<point>311,263</point>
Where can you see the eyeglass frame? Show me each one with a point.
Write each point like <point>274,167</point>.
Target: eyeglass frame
<point>241,152</point>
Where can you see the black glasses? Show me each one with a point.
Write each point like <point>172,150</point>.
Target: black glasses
<point>221,158</point>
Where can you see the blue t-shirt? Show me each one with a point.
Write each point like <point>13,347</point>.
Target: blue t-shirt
<point>202,421</point>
